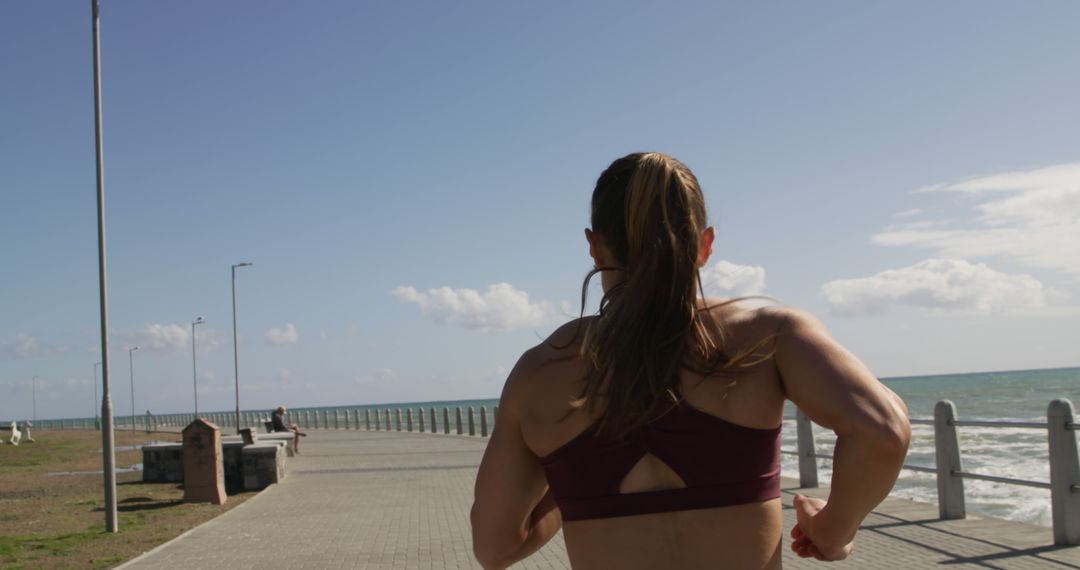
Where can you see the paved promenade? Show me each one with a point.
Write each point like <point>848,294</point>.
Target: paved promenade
<point>357,499</point>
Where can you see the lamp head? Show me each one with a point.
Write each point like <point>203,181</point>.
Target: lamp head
<point>199,321</point>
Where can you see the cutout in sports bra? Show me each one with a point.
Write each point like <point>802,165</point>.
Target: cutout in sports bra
<point>721,464</point>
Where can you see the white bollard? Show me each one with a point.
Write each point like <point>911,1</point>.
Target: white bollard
<point>947,454</point>
<point>1064,473</point>
<point>807,450</point>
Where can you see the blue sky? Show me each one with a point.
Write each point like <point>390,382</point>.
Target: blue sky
<point>411,181</point>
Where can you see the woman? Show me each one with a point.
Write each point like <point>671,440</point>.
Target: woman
<point>656,422</point>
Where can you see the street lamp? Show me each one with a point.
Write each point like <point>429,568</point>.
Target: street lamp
<point>194,375</point>
<point>96,421</point>
<point>131,367</point>
<point>236,358</point>
<point>108,442</point>
<point>33,388</point>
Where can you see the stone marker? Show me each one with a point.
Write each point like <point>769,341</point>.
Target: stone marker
<point>204,478</point>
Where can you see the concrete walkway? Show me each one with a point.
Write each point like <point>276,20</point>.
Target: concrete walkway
<point>357,499</point>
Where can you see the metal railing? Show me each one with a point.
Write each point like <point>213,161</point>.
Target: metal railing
<point>1064,484</point>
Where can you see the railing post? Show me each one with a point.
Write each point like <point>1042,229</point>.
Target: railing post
<point>947,454</point>
<point>446,420</point>
<point>434,429</point>
<point>378,427</point>
<point>397,418</point>
<point>337,418</point>
<point>458,413</point>
<point>387,418</point>
<point>421,417</point>
<point>1064,473</point>
<point>483,421</point>
<point>472,422</point>
<point>356,419</point>
<point>807,450</point>
<point>367,420</point>
<point>408,419</point>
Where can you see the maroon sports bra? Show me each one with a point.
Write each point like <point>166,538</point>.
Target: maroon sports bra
<point>721,463</point>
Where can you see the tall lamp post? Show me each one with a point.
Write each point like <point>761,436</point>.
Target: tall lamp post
<point>97,423</point>
<point>131,367</point>
<point>194,374</point>
<point>108,442</point>
<point>236,358</point>
<point>33,390</point>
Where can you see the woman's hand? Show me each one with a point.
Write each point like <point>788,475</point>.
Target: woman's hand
<point>811,538</point>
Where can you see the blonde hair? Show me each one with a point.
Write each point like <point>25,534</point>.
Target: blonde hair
<point>650,210</point>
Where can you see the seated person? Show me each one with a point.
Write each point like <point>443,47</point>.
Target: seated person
<point>278,419</point>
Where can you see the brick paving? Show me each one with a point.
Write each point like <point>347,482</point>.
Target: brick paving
<point>358,499</point>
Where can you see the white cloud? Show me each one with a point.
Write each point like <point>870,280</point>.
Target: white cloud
<point>937,284</point>
<point>162,337</point>
<point>280,336</point>
<point>24,345</point>
<point>726,279</point>
<point>501,307</point>
<point>170,337</point>
<point>908,213</point>
<point>21,346</point>
<point>378,376</point>
<point>1029,217</point>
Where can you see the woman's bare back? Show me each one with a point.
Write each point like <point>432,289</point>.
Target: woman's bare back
<point>740,536</point>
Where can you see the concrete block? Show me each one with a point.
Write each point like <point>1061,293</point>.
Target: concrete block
<point>163,463</point>
<point>264,465</point>
<point>233,460</point>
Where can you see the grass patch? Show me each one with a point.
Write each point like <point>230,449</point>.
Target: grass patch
<point>59,521</point>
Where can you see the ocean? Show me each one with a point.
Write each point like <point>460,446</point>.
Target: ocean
<point>1018,453</point>
<point>1021,395</point>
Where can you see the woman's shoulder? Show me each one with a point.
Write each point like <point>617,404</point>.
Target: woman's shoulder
<point>549,360</point>
<point>564,341</point>
<point>763,311</point>
<point>752,321</point>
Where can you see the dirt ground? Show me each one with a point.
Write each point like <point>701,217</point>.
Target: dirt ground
<point>57,521</point>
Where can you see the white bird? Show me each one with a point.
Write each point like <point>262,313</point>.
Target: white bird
<point>15,435</point>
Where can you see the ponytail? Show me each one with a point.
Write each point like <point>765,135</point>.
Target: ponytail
<point>651,213</point>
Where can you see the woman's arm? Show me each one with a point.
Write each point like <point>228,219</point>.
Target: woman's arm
<point>513,512</point>
<point>872,432</point>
